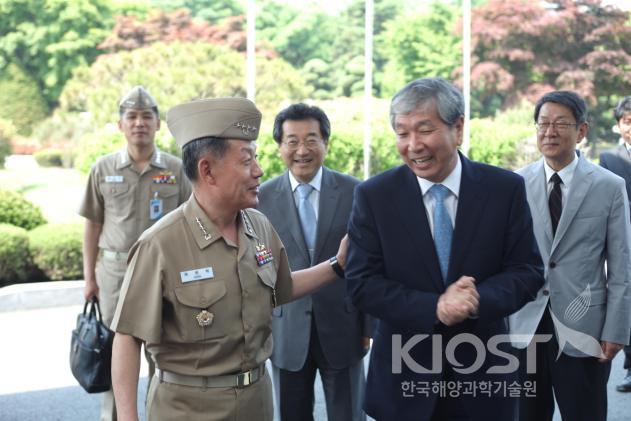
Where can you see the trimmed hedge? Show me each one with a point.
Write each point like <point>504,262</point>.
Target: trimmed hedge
<point>16,210</point>
<point>15,262</point>
<point>49,158</point>
<point>56,250</point>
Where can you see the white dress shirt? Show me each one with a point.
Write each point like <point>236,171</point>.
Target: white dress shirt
<point>452,182</point>
<point>566,175</point>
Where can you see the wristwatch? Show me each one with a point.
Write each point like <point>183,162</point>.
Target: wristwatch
<point>336,267</point>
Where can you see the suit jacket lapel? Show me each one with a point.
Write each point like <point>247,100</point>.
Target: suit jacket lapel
<point>471,199</point>
<point>327,208</point>
<point>285,197</point>
<point>409,202</point>
<point>581,182</point>
<point>622,152</point>
<point>536,186</point>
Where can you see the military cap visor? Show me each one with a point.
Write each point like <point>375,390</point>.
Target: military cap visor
<point>228,118</point>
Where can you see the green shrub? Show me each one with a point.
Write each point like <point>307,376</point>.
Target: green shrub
<point>346,146</point>
<point>109,139</point>
<point>56,250</point>
<point>7,131</point>
<point>94,145</point>
<point>49,158</point>
<point>15,262</point>
<point>16,210</point>
<point>21,100</point>
<point>507,140</point>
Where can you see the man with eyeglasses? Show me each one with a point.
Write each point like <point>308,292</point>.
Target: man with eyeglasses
<point>581,223</point>
<point>618,161</point>
<point>309,206</point>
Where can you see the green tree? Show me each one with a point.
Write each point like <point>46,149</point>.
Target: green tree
<point>421,45</point>
<point>49,38</point>
<point>297,37</point>
<point>20,99</point>
<point>212,11</point>
<point>175,73</point>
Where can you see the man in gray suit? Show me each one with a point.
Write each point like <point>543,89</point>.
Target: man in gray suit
<point>309,206</point>
<point>581,221</point>
<point>618,161</point>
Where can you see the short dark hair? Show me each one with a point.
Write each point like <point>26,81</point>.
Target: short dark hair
<point>301,111</point>
<point>570,99</point>
<point>195,149</point>
<point>121,111</point>
<point>623,107</point>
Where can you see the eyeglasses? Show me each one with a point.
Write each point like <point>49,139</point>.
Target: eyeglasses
<point>293,144</point>
<point>560,127</point>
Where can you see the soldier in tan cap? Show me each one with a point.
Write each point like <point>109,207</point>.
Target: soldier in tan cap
<point>127,192</point>
<point>202,282</point>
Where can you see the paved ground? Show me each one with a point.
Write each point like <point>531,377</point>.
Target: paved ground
<point>35,379</point>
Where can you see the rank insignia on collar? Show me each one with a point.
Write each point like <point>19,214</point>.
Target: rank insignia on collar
<point>263,255</point>
<point>165,177</point>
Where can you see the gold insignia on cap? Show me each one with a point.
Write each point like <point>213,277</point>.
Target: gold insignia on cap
<point>226,118</point>
<point>138,97</point>
<point>204,318</point>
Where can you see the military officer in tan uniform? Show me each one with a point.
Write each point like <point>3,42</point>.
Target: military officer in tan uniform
<point>127,192</point>
<point>202,282</point>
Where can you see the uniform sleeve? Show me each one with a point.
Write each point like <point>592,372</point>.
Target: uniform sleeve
<point>139,309</point>
<point>92,207</point>
<point>283,271</point>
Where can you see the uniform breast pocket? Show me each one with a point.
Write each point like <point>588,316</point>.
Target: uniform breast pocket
<point>116,196</point>
<point>168,193</point>
<point>197,315</point>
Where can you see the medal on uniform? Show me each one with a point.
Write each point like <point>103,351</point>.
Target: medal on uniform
<point>263,254</point>
<point>155,207</point>
<point>165,177</point>
<point>204,318</point>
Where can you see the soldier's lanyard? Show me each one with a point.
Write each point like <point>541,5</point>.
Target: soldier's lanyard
<point>155,207</point>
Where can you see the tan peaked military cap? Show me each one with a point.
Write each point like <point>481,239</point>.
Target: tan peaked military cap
<point>229,118</point>
<point>138,97</point>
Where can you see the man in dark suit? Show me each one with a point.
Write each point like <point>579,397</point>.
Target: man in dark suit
<point>441,250</point>
<point>618,161</point>
<point>309,206</point>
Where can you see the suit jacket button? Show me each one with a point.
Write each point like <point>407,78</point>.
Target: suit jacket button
<point>546,292</point>
<point>552,265</point>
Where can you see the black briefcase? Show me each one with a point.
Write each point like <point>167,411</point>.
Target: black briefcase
<point>91,350</point>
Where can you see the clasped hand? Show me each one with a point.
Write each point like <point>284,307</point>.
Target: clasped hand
<point>459,302</point>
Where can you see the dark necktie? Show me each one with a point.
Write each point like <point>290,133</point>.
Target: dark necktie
<point>555,202</point>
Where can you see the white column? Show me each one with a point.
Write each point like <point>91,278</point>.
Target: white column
<point>251,52</point>
<point>368,44</point>
<point>466,71</point>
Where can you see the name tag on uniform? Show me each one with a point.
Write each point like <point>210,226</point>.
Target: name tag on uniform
<point>197,275</point>
<point>113,178</point>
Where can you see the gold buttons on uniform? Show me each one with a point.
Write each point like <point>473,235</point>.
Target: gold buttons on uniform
<point>204,318</point>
